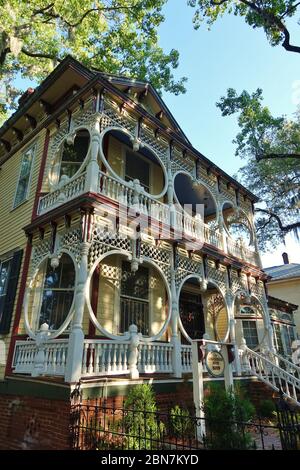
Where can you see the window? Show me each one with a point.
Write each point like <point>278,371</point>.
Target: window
<point>191,314</point>
<point>250,333</point>
<point>24,177</point>
<point>9,276</point>
<point>57,293</point>
<point>4,278</point>
<point>134,298</point>
<point>278,339</point>
<point>74,154</point>
<point>246,310</point>
<point>137,168</point>
<point>289,336</point>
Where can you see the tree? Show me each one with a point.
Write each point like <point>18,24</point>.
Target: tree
<point>276,179</point>
<point>270,15</point>
<point>114,36</point>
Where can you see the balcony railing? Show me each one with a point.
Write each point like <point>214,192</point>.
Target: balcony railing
<point>134,197</point>
<point>62,195</point>
<point>238,250</point>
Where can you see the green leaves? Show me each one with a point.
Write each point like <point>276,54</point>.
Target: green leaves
<point>270,15</point>
<point>276,180</point>
<point>115,36</point>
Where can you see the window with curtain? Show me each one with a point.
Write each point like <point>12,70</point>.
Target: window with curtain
<point>22,190</point>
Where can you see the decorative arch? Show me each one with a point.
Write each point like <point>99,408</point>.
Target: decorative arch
<point>142,144</point>
<point>200,183</point>
<point>29,289</point>
<point>93,316</point>
<point>243,219</point>
<point>200,279</point>
<point>56,149</point>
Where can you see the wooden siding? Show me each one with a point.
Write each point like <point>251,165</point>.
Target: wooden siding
<point>12,236</point>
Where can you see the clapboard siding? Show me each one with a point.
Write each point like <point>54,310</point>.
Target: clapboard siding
<point>12,236</point>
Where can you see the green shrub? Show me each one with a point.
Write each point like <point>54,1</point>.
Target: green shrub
<point>140,421</point>
<point>223,412</point>
<point>266,409</point>
<point>181,423</point>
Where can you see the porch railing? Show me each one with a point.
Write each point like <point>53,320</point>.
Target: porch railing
<point>52,357</point>
<point>186,358</point>
<point>155,357</point>
<point>61,195</point>
<point>268,370</point>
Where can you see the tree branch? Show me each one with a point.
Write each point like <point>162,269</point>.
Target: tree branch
<point>40,54</point>
<point>276,155</point>
<point>283,228</point>
<point>271,20</point>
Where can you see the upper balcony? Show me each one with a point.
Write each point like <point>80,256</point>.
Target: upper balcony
<point>137,173</point>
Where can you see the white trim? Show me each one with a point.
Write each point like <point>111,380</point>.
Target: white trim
<point>33,148</point>
<point>143,144</point>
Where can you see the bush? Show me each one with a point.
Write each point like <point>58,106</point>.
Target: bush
<point>181,423</point>
<point>266,409</point>
<point>140,422</point>
<point>223,412</point>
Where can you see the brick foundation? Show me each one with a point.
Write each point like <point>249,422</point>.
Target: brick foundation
<point>36,415</point>
<point>29,423</point>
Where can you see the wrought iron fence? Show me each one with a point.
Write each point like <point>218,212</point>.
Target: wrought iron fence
<point>100,425</point>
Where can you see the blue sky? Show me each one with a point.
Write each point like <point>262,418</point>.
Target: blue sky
<point>230,55</point>
<point>233,55</point>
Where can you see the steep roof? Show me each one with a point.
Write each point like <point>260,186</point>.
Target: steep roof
<point>70,71</point>
<point>284,271</point>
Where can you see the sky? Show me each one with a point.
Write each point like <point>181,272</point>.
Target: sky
<point>233,55</point>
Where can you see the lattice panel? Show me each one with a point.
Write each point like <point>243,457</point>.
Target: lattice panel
<point>157,145</point>
<point>104,241</point>
<point>161,257</point>
<point>71,241</point>
<point>113,273</point>
<point>237,284</point>
<point>185,267</point>
<point>218,276</point>
<point>86,116</point>
<point>40,250</point>
<point>119,119</point>
<point>182,164</point>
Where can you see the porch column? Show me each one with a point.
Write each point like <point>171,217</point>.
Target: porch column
<point>222,230</point>
<point>268,326</point>
<point>92,171</point>
<point>230,308</point>
<point>176,351</point>
<point>76,339</point>
<point>170,196</point>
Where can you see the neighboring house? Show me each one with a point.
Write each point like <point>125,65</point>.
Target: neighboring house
<point>105,276</point>
<point>284,283</point>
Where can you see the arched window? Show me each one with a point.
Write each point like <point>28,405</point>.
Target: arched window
<point>73,154</point>
<point>56,292</point>
<point>246,310</point>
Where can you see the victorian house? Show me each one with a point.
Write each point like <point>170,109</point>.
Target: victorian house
<point>120,243</point>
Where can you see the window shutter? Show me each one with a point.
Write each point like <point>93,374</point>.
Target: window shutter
<point>9,300</point>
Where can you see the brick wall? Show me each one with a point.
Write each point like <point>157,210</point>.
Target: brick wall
<point>29,423</point>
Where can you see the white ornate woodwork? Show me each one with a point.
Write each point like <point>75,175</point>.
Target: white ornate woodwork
<point>130,354</point>
<point>274,370</point>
